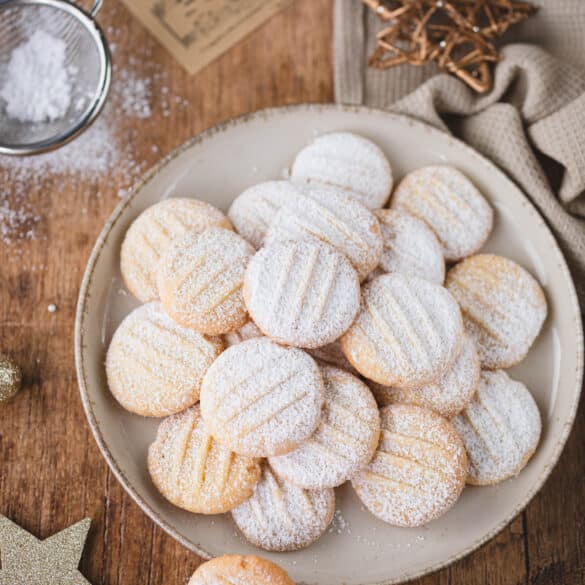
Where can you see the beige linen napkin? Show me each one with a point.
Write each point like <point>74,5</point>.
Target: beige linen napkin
<point>532,120</point>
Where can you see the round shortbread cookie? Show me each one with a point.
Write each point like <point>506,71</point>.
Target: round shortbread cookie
<point>500,428</point>
<point>304,293</point>
<point>410,246</point>
<point>240,570</point>
<point>328,215</point>
<point>450,204</point>
<point>347,161</point>
<point>253,210</point>
<point>154,366</point>
<point>195,472</point>
<point>200,281</point>
<point>503,307</point>
<point>449,395</point>
<point>408,331</point>
<point>247,331</point>
<point>261,399</point>
<point>344,441</point>
<point>281,516</point>
<point>151,233</point>
<point>332,355</point>
<point>418,470</point>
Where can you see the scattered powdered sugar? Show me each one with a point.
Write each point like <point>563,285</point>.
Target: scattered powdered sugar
<point>103,152</point>
<point>37,86</point>
<point>500,428</point>
<point>339,524</point>
<point>262,399</point>
<point>135,94</point>
<point>302,293</point>
<point>281,516</point>
<point>418,471</point>
<point>343,443</point>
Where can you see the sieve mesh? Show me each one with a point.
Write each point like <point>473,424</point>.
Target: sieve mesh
<point>87,58</point>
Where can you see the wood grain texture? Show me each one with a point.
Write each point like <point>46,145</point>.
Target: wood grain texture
<point>51,472</point>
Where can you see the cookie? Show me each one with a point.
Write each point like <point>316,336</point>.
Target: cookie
<point>247,331</point>
<point>418,470</point>
<point>240,570</point>
<point>193,471</point>
<point>332,355</point>
<point>154,366</point>
<point>261,399</point>
<point>281,516</point>
<point>408,331</point>
<point>343,443</point>
<point>349,162</point>
<point>304,294</point>
<point>503,307</point>
<point>450,204</point>
<point>253,210</point>
<point>200,280</point>
<point>449,395</point>
<point>328,215</point>
<point>151,233</point>
<point>410,246</point>
<point>500,428</point>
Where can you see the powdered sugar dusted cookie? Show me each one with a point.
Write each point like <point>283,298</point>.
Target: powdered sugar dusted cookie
<point>151,233</point>
<point>240,570</point>
<point>343,443</point>
<point>281,516</point>
<point>252,211</point>
<point>303,293</point>
<point>449,394</point>
<point>410,246</point>
<point>155,366</point>
<point>500,428</point>
<point>261,399</point>
<point>347,161</point>
<point>328,215</point>
<point>200,281</point>
<point>503,307</point>
<point>450,204</point>
<point>418,471</point>
<point>408,331</point>
<point>195,472</point>
<point>247,331</point>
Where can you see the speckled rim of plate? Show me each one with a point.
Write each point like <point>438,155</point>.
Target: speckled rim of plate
<point>84,298</point>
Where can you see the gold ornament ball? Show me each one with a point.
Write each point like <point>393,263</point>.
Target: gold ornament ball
<point>10,379</point>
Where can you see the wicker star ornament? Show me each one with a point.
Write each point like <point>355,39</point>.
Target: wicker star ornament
<point>455,34</point>
<point>53,561</point>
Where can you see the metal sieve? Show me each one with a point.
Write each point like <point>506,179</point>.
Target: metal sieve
<point>87,54</point>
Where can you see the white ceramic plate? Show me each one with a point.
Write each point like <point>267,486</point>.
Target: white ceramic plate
<point>358,549</point>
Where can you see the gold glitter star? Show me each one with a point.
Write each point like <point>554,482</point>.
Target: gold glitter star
<point>26,560</point>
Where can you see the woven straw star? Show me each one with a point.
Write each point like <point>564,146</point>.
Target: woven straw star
<point>26,560</point>
<point>456,34</point>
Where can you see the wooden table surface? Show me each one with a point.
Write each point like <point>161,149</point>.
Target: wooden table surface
<point>51,472</point>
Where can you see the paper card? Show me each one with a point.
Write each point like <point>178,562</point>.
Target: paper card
<point>198,31</point>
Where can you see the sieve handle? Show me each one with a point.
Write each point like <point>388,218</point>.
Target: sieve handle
<point>95,8</point>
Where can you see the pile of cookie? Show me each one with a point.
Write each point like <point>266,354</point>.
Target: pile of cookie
<point>313,337</point>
